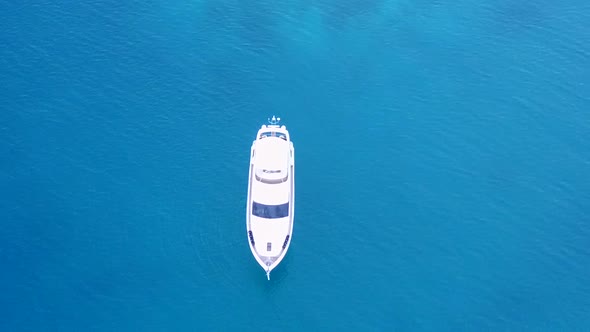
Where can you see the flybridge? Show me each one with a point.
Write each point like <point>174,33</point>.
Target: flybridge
<point>273,129</point>
<point>273,134</point>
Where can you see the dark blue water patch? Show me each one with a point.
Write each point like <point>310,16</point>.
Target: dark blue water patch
<point>513,16</point>
<point>258,21</point>
<point>520,18</point>
<point>217,16</point>
<point>340,15</point>
<point>253,22</point>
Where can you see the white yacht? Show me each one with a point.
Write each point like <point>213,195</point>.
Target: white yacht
<point>271,195</point>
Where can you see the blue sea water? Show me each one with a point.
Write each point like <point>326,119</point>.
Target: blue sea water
<point>443,164</point>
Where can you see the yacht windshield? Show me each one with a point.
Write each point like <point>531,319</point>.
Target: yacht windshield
<point>270,211</point>
<point>271,181</point>
<point>273,134</point>
<point>271,176</point>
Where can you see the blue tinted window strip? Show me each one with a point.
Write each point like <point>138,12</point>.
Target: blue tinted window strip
<point>270,211</point>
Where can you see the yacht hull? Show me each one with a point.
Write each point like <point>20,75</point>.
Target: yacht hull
<point>271,196</point>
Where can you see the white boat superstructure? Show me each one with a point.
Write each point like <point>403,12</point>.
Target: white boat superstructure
<point>271,195</point>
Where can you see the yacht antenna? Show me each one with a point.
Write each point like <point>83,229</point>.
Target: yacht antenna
<point>274,120</point>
